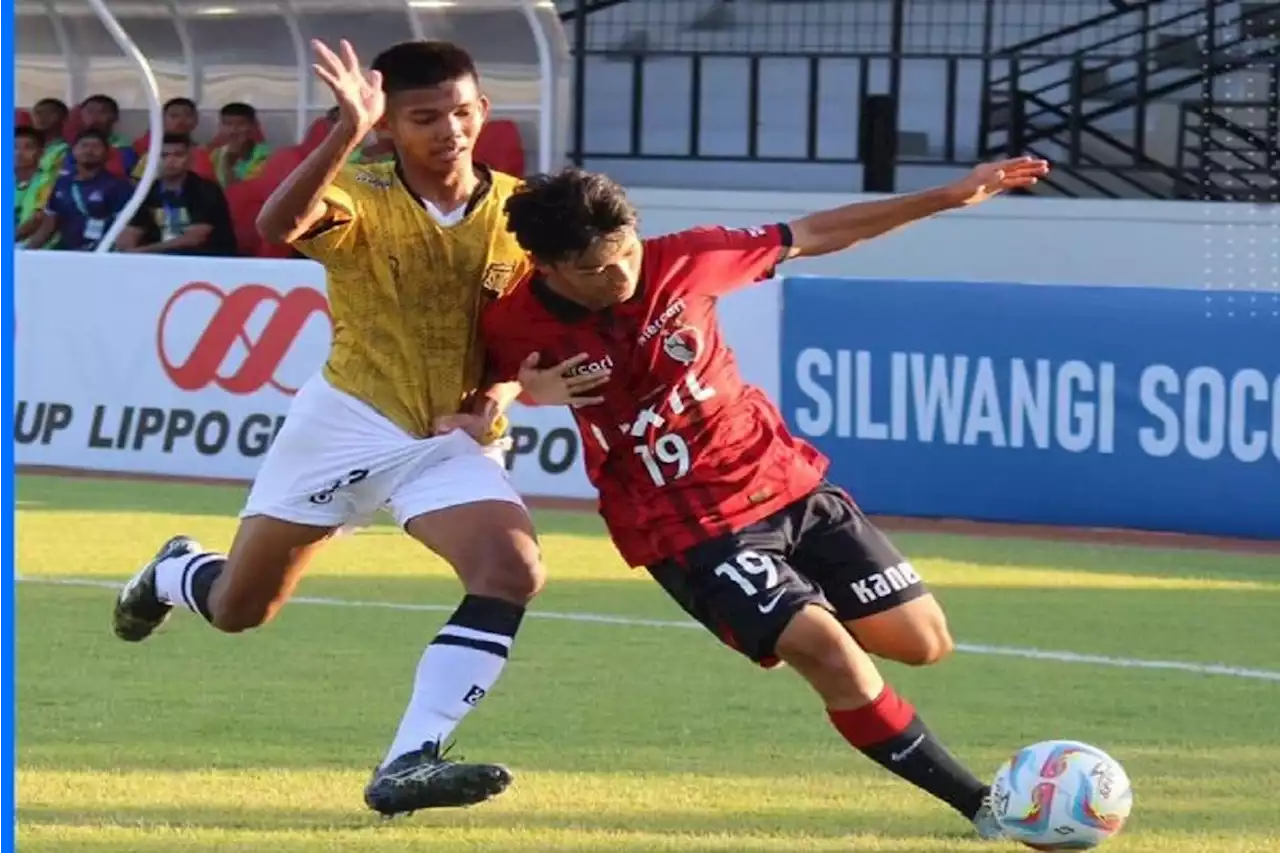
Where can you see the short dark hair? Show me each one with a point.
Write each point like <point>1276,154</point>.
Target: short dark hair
<point>58,105</point>
<point>29,132</point>
<point>555,217</point>
<point>422,64</point>
<point>177,139</point>
<point>94,133</point>
<point>238,109</point>
<point>180,102</point>
<point>106,100</point>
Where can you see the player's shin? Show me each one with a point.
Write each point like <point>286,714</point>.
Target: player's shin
<point>889,732</point>
<point>457,670</point>
<point>187,579</point>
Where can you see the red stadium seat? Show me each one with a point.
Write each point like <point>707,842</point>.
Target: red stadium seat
<point>244,201</point>
<point>21,118</point>
<point>278,165</point>
<point>501,148</point>
<point>315,135</point>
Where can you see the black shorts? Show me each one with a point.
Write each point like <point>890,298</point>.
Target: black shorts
<point>746,586</point>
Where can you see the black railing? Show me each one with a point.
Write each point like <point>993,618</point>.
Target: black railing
<point>1223,158</point>
<point>1080,89</point>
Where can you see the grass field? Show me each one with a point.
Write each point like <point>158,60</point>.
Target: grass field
<point>623,737</point>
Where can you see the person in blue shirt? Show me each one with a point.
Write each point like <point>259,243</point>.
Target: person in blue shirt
<point>83,204</point>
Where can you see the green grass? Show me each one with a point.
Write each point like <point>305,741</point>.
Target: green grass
<point>624,738</point>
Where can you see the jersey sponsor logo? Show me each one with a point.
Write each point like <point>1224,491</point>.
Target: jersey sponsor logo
<point>228,331</point>
<point>598,366</point>
<point>877,586</point>
<point>675,309</point>
<point>754,231</point>
<point>683,344</point>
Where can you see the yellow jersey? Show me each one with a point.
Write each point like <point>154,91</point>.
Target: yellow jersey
<point>405,291</point>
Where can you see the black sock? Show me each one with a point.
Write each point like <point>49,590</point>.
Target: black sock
<point>889,733</point>
<point>197,581</point>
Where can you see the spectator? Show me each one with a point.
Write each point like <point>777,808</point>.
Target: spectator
<point>184,214</point>
<point>84,203</point>
<point>49,116</point>
<point>101,112</point>
<point>181,116</point>
<point>241,155</point>
<point>31,186</point>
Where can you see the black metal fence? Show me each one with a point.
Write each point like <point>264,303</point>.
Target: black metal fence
<point>786,81</point>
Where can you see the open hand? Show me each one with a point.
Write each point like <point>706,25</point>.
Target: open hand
<point>555,386</point>
<point>990,179</point>
<point>361,101</point>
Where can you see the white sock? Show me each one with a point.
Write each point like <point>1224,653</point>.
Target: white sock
<point>174,578</point>
<point>456,671</point>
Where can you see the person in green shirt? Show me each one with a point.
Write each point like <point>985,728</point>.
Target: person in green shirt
<point>31,186</point>
<point>241,156</point>
<point>49,116</point>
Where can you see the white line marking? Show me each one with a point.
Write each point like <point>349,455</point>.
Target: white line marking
<point>603,619</point>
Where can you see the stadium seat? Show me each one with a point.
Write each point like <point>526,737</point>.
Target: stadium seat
<point>501,148</point>
<point>315,134</point>
<point>21,118</point>
<point>244,201</point>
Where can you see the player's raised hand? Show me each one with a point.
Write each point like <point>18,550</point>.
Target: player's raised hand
<point>991,179</point>
<point>361,101</point>
<point>559,385</point>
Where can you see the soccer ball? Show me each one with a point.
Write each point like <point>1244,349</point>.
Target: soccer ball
<point>1061,795</point>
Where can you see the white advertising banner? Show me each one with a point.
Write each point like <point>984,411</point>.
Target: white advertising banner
<point>186,366</point>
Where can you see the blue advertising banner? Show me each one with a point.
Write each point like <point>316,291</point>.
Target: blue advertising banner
<point>1155,409</point>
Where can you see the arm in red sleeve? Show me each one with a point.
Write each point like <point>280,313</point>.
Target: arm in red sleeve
<point>717,260</point>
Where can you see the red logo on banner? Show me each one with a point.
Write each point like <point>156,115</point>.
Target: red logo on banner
<point>229,326</point>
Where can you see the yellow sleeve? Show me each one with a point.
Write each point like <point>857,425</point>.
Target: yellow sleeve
<point>335,233</point>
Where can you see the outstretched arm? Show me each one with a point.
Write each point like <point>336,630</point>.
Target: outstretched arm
<point>841,228</point>
<point>297,206</point>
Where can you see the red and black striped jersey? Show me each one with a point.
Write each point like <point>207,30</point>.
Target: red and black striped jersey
<point>681,450</point>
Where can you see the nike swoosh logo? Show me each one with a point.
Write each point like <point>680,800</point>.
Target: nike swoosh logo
<point>768,606</point>
<point>898,756</point>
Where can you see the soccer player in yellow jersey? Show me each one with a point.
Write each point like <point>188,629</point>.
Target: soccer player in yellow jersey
<point>398,418</point>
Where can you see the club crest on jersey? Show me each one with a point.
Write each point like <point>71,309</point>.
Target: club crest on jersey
<point>497,276</point>
<point>683,344</point>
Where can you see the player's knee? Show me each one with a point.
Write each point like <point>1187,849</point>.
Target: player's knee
<point>821,650</point>
<point>926,642</point>
<point>513,574</point>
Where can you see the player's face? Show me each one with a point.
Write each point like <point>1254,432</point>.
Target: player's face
<point>46,116</point>
<point>90,153</point>
<point>607,273</point>
<point>26,153</point>
<point>237,130</point>
<point>180,118</point>
<point>173,164</point>
<point>436,128</point>
<point>98,116</point>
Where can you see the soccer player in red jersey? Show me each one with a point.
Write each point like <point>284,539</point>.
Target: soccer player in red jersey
<point>699,479</point>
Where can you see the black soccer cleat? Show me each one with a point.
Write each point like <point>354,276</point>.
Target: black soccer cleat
<point>425,779</point>
<point>139,610</point>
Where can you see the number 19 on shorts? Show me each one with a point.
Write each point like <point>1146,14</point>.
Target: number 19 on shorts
<point>667,460</point>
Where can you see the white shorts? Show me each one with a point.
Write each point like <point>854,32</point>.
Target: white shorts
<point>336,462</point>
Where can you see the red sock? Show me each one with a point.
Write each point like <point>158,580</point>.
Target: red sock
<point>883,719</point>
